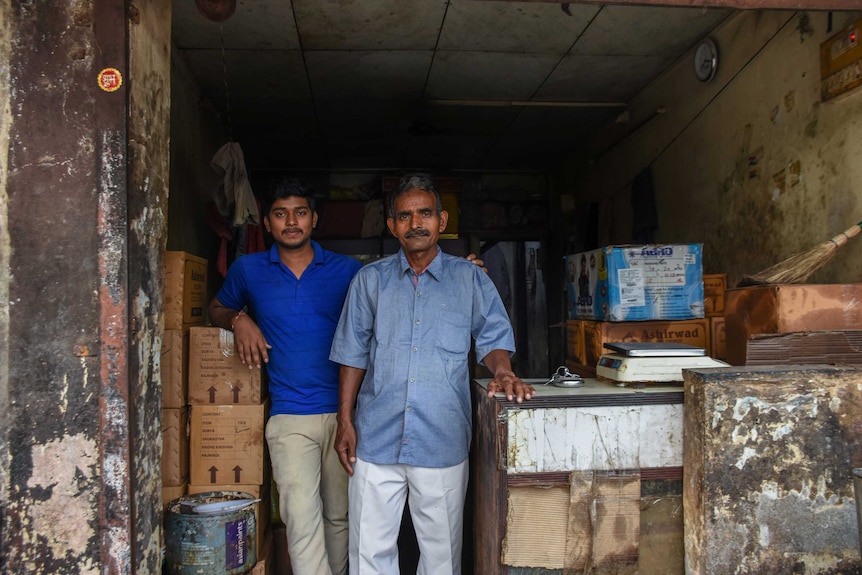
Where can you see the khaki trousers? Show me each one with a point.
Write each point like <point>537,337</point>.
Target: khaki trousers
<point>312,489</point>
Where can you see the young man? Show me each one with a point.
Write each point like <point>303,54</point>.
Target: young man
<point>294,293</point>
<point>403,340</point>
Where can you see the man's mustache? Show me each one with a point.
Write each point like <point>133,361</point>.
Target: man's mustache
<point>417,233</point>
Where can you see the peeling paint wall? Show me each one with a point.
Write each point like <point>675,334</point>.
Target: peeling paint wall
<point>5,247</point>
<point>751,164</point>
<point>768,484</point>
<point>149,169</point>
<point>50,278</point>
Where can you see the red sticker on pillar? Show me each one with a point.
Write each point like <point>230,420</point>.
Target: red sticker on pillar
<point>110,79</point>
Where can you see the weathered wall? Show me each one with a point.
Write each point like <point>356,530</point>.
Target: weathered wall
<point>751,164</point>
<point>51,414</point>
<point>768,459</point>
<point>149,168</point>
<point>5,247</point>
<point>84,187</point>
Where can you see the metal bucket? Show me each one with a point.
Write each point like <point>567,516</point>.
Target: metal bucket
<point>857,489</point>
<point>211,533</point>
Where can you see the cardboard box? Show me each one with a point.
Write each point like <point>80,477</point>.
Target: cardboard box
<point>786,309</point>
<point>175,446</point>
<point>575,339</point>
<point>216,374</point>
<point>717,338</point>
<point>636,283</point>
<point>227,444</point>
<point>261,508</point>
<point>169,493</point>
<point>185,290</point>
<point>175,376</point>
<point>596,333</point>
<point>714,286</point>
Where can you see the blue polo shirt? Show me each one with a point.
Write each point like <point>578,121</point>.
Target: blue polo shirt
<point>412,334</point>
<point>298,318</point>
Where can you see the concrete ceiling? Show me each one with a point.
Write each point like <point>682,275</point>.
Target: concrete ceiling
<point>427,84</point>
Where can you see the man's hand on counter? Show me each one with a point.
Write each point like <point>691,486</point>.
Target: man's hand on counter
<point>512,385</point>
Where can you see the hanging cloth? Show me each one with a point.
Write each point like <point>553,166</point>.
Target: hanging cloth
<point>219,225</point>
<point>235,189</point>
<point>254,241</point>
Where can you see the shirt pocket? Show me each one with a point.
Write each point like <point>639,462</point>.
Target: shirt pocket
<point>453,332</point>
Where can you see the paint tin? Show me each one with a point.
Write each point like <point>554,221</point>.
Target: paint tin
<point>212,533</point>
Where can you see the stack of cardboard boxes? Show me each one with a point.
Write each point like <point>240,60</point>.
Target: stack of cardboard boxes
<point>229,408</point>
<point>636,294</point>
<point>214,407</point>
<point>185,301</point>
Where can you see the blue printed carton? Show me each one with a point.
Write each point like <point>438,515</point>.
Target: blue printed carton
<point>632,283</point>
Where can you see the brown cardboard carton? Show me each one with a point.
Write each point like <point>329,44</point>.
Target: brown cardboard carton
<point>185,289</point>
<point>786,309</point>
<point>596,333</point>
<point>575,340</point>
<point>261,508</point>
<point>227,444</point>
<point>714,286</point>
<point>718,338</point>
<point>175,446</point>
<point>216,374</point>
<point>174,359</point>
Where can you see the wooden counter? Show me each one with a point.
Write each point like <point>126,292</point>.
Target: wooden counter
<point>562,476</point>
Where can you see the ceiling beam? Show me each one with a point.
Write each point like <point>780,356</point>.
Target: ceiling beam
<point>526,103</point>
<point>737,4</point>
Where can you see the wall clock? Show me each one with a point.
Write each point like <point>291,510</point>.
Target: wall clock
<point>705,60</point>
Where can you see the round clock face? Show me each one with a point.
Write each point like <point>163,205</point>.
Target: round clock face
<point>705,60</point>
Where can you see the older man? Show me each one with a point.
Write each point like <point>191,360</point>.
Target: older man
<point>404,414</point>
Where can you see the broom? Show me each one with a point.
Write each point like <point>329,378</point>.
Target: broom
<point>797,268</point>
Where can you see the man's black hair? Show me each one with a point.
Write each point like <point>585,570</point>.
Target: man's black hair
<point>285,188</point>
<point>414,182</point>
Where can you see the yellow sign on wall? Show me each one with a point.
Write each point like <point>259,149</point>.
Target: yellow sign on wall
<point>841,62</point>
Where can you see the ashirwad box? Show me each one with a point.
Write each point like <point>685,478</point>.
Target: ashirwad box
<point>636,282</point>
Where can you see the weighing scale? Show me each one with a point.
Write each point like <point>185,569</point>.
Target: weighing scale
<point>639,363</point>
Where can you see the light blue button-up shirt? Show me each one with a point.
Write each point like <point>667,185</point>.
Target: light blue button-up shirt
<point>412,335</point>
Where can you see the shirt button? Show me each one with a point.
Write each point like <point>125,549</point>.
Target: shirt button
<point>412,379</point>
<point>409,409</point>
<point>417,322</point>
<point>419,293</point>
<point>415,349</point>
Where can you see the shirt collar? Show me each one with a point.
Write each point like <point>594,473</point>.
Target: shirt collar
<point>318,253</point>
<point>434,269</point>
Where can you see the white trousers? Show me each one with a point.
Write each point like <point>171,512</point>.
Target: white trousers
<point>377,497</point>
<point>312,491</point>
